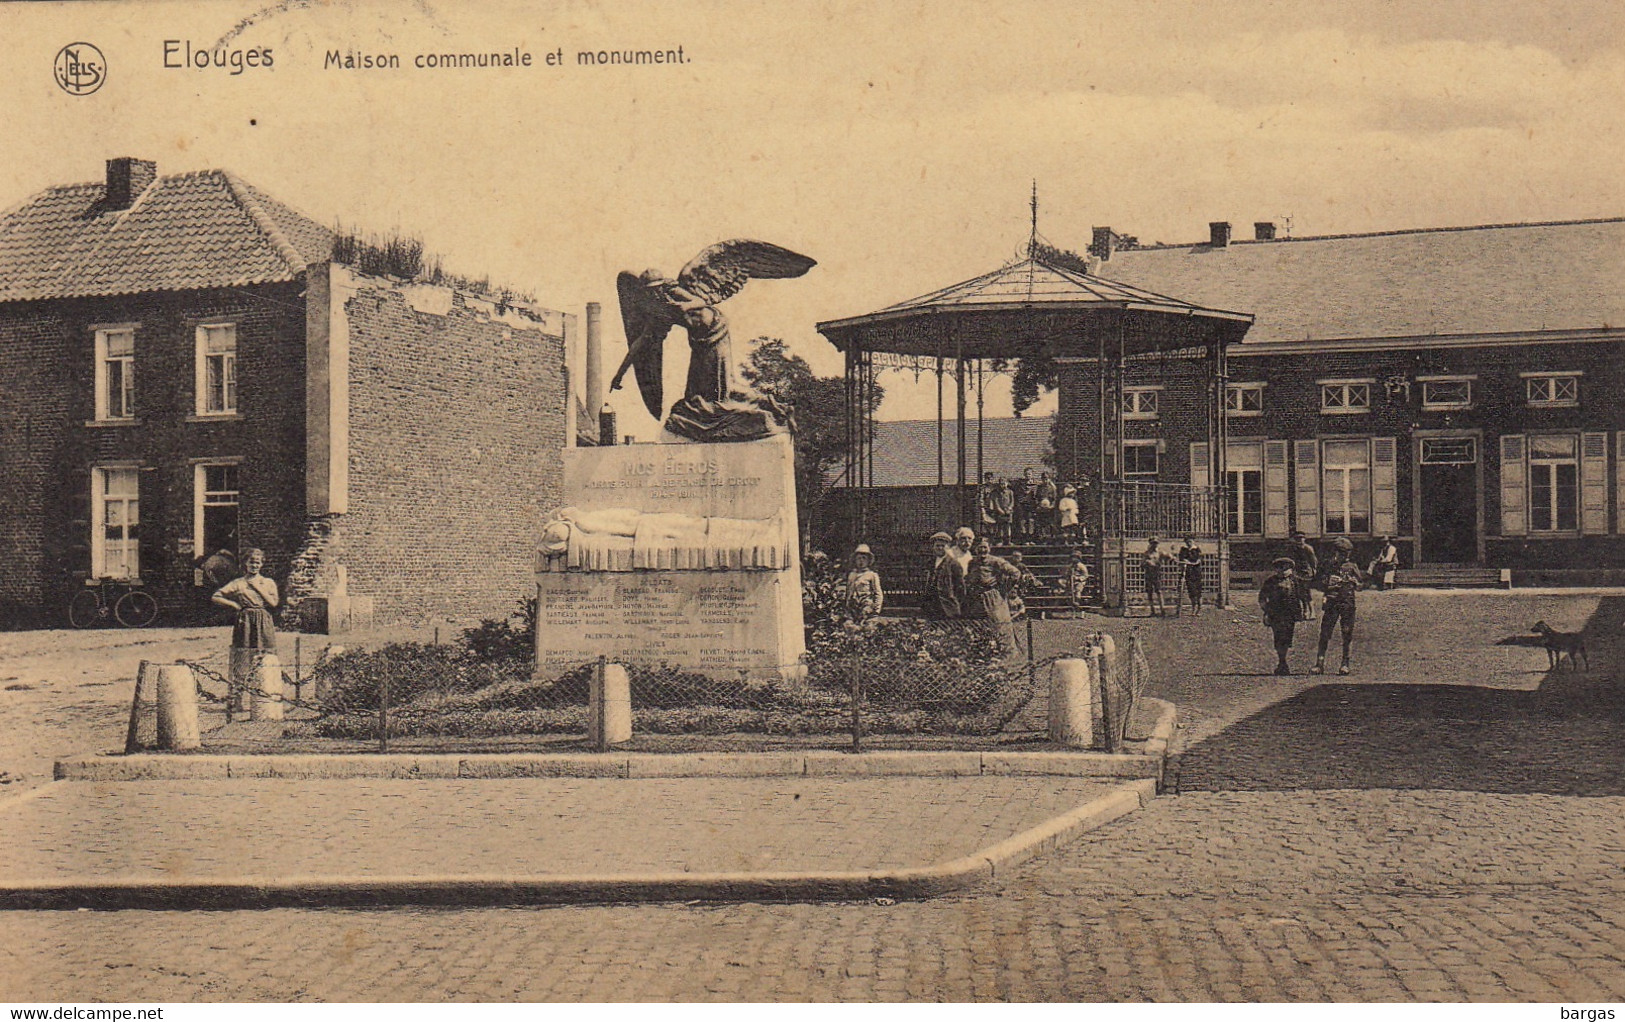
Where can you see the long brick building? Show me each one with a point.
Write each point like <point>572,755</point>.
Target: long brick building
<point>186,368</point>
<point>1454,388</point>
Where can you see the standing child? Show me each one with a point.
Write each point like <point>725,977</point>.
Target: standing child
<point>1341,583</point>
<point>1019,589</point>
<point>1190,564</point>
<point>864,596</point>
<point>1279,599</point>
<point>1068,510</point>
<point>1077,581</point>
<point>1154,560</point>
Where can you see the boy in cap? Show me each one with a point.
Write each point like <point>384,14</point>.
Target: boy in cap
<point>1280,601</point>
<point>945,586</point>
<point>864,597</point>
<point>1341,582</point>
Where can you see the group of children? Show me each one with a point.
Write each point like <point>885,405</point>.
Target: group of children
<point>1189,560</point>
<point>1025,509</point>
<point>1285,599</point>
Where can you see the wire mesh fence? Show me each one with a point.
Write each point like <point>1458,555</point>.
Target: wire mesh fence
<point>899,681</point>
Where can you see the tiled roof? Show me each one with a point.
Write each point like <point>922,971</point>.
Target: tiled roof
<point>906,451</point>
<point>201,230</point>
<point>1505,278</point>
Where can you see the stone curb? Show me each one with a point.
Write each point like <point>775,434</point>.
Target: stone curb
<point>464,766</point>
<point>967,873</point>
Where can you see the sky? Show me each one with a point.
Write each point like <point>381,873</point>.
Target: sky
<point>896,143</point>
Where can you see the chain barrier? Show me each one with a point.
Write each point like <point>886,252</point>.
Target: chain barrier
<point>908,680</point>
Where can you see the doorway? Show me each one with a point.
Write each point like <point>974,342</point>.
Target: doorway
<point>1448,513</point>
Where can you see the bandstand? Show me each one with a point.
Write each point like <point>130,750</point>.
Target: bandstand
<point>1093,330</point>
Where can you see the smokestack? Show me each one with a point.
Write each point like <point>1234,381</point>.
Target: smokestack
<point>594,384</point>
<point>1105,241</point>
<point>1219,233</point>
<point>1264,230</point>
<point>606,427</point>
<point>127,178</point>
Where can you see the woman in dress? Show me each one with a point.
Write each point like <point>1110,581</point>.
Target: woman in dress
<point>253,597</point>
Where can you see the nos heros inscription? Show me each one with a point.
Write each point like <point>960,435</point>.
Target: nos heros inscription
<point>675,476</point>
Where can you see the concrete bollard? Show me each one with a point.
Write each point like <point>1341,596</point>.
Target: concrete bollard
<point>610,707</point>
<point>1073,709</point>
<point>265,690</point>
<point>241,676</point>
<point>177,709</point>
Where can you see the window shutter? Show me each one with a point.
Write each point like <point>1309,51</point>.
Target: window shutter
<point>1201,474</point>
<point>1514,487</point>
<point>1619,484</point>
<point>1276,525</point>
<point>1204,509</point>
<point>1384,513</point>
<point>1307,455</point>
<point>1594,483</point>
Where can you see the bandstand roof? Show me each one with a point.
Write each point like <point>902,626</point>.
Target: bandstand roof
<point>1034,308</point>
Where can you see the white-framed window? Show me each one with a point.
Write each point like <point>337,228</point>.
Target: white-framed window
<point>217,369</point>
<point>115,373</point>
<point>1446,393</point>
<point>1139,459</point>
<point>1554,483</point>
<point>1244,497</point>
<point>1552,390</point>
<point>1140,402</point>
<point>1345,474</point>
<point>1244,399</point>
<point>115,532</point>
<point>1345,397</point>
<point>215,499</point>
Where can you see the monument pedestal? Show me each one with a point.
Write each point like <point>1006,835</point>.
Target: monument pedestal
<point>681,553</point>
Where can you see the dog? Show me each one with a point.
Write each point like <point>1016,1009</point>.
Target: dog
<point>1560,644</point>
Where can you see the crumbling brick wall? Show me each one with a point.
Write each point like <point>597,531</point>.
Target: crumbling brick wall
<point>456,424</point>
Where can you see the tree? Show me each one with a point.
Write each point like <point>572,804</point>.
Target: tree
<point>820,411</point>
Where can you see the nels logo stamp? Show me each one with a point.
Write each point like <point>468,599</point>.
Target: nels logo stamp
<point>80,69</point>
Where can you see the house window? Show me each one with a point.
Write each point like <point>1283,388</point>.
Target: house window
<point>215,505</point>
<point>115,374</point>
<point>1139,458</point>
<point>217,369</point>
<point>1345,474</point>
<point>1552,390</point>
<point>1554,484</point>
<point>1244,399</point>
<point>1140,402</point>
<point>1345,397</point>
<point>1244,475</point>
<point>115,540</point>
<point>1441,394</point>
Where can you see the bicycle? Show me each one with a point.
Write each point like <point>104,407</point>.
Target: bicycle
<point>135,608</point>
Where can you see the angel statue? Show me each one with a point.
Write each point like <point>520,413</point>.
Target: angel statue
<point>652,304</point>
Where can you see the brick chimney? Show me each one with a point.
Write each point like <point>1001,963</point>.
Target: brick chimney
<point>1105,240</point>
<point>1219,233</point>
<point>1263,230</point>
<point>127,178</point>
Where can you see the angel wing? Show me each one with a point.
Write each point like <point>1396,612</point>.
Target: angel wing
<point>718,273</point>
<point>646,324</point>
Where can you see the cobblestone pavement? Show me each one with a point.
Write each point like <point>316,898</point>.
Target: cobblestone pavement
<point>1383,840</point>
<point>270,828</point>
<point>1330,895</point>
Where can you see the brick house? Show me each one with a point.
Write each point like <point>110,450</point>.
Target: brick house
<point>1453,388</point>
<point>187,369</point>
